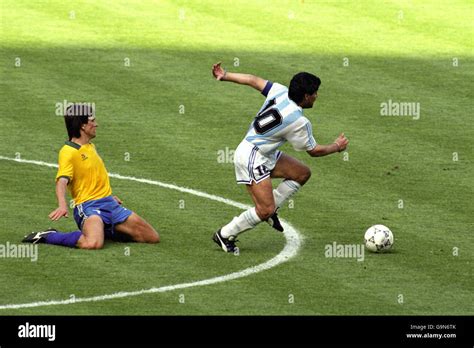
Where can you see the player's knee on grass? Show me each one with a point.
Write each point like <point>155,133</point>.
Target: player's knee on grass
<point>89,244</point>
<point>92,234</point>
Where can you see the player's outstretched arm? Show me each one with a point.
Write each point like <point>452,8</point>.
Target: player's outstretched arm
<point>243,79</point>
<point>339,145</point>
<point>62,209</point>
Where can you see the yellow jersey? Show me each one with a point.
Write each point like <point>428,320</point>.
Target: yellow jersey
<point>82,165</point>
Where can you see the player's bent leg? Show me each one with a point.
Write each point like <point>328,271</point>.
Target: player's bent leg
<point>92,233</point>
<point>262,196</point>
<point>290,168</point>
<point>138,229</point>
<point>264,207</point>
<point>265,203</point>
<point>295,173</point>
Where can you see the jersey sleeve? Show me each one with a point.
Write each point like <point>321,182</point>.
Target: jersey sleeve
<point>301,137</point>
<point>66,168</point>
<point>272,89</point>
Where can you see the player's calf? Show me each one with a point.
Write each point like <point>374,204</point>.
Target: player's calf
<point>138,229</point>
<point>290,168</point>
<point>300,173</point>
<point>147,235</point>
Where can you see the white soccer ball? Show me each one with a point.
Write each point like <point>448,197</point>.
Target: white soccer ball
<point>378,238</point>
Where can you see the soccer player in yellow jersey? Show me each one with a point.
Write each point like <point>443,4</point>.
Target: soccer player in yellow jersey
<point>98,214</point>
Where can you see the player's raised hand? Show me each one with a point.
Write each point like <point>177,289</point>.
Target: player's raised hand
<point>217,71</point>
<point>58,213</point>
<point>341,142</point>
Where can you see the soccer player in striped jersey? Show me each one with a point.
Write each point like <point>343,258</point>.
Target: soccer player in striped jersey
<point>98,214</point>
<point>258,159</point>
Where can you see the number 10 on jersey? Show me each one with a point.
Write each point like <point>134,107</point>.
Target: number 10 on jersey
<point>268,119</point>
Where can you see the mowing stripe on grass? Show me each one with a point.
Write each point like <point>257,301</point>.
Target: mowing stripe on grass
<point>291,248</point>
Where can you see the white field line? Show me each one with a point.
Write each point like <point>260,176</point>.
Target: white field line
<point>290,250</point>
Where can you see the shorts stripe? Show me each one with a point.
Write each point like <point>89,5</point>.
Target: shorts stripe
<point>278,155</point>
<point>262,178</point>
<point>81,214</point>
<point>247,156</point>
<point>251,163</point>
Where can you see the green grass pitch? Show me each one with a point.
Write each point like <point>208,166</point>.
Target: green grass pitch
<point>146,66</point>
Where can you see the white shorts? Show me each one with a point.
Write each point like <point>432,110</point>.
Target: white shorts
<point>251,164</point>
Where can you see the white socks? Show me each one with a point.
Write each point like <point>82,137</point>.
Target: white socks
<point>245,221</point>
<point>249,218</point>
<point>285,190</point>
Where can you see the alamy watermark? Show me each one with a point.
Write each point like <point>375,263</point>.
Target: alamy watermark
<point>20,251</point>
<point>61,108</point>
<point>394,108</point>
<point>345,250</point>
<point>28,330</point>
<point>225,155</point>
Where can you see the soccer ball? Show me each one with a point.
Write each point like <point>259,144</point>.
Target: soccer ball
<point>378,238</point>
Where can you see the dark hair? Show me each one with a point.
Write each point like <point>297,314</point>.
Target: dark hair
<point>301,84</point>
<point>75,116</point>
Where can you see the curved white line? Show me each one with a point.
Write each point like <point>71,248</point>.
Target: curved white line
<point>290,250</point>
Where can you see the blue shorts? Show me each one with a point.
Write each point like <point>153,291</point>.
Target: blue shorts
<point>107,208</point>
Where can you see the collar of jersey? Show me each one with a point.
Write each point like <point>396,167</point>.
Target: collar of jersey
<point>299,107</point>
<point>73,144</point>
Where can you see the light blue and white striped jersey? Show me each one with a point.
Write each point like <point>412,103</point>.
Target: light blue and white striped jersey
<point>280,120</point>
